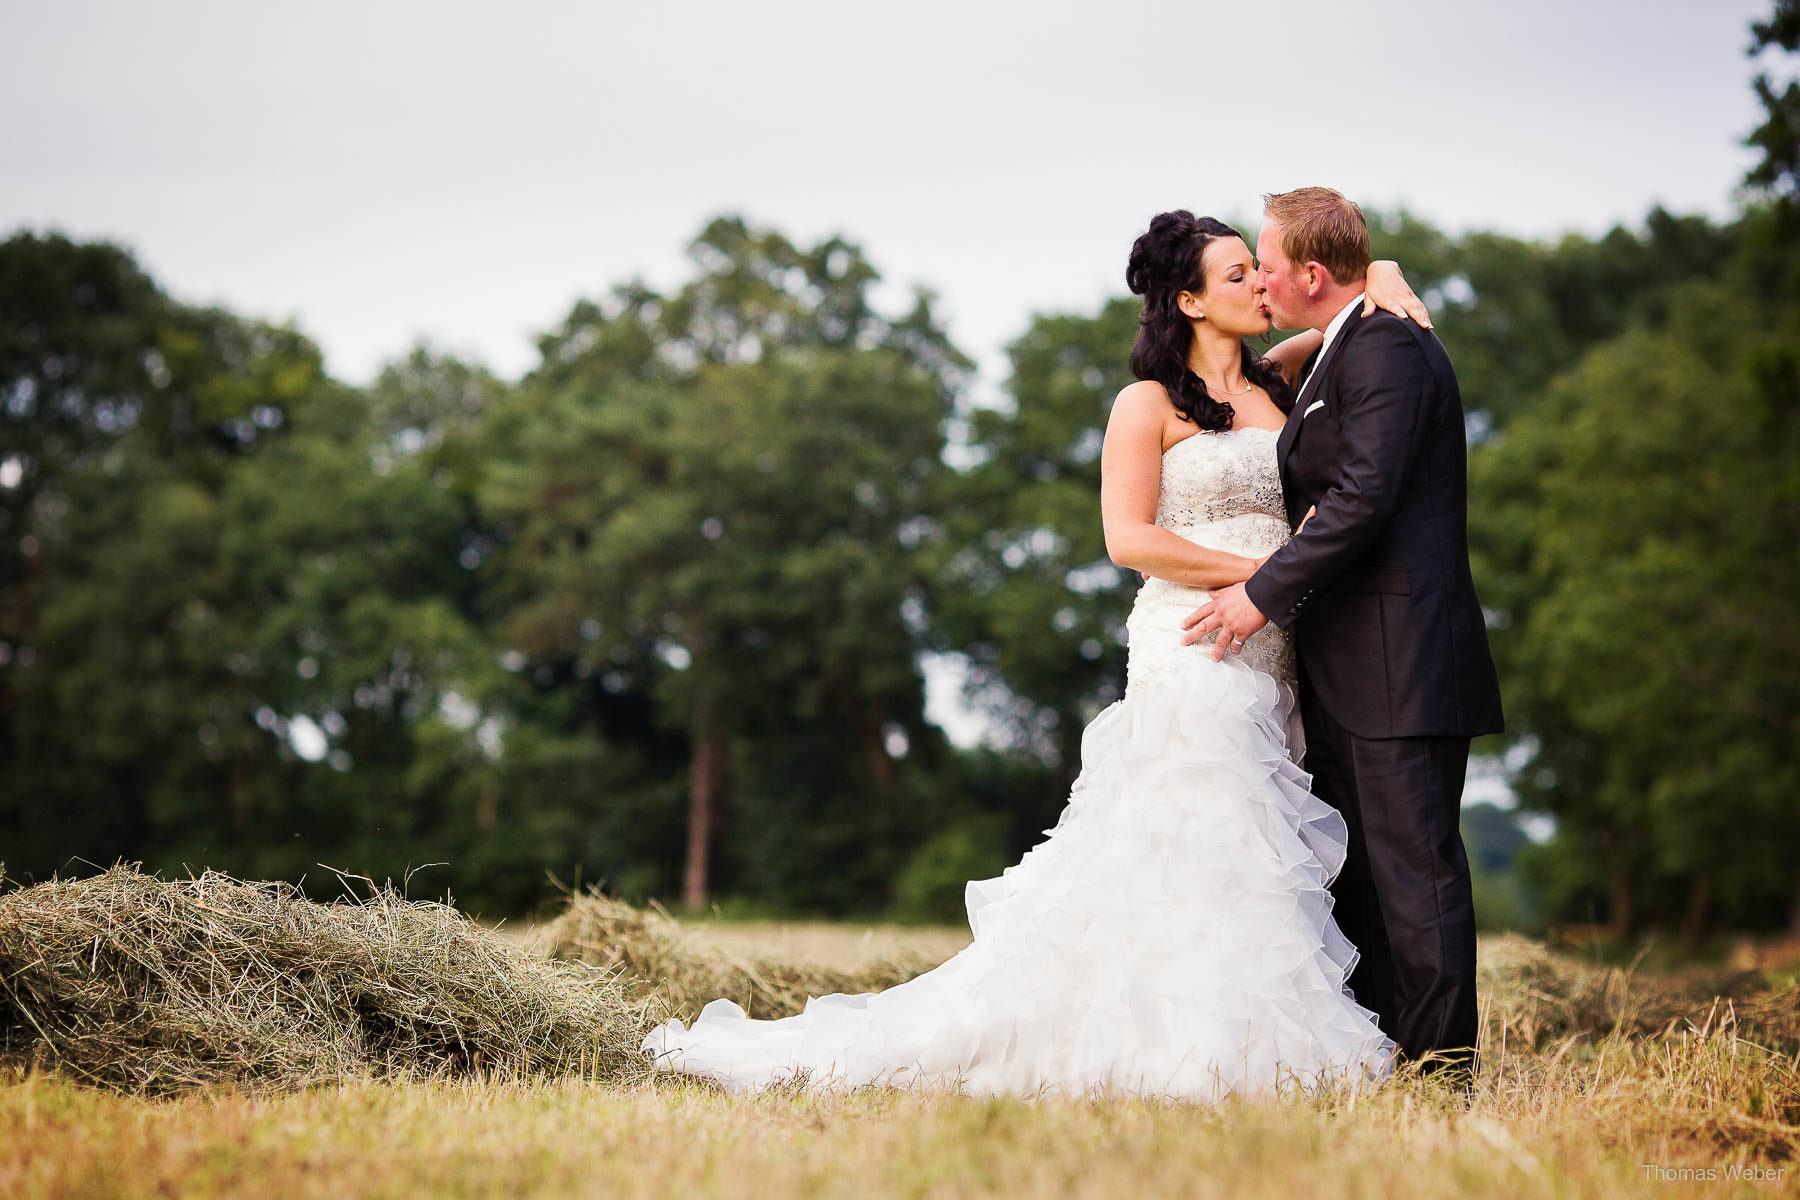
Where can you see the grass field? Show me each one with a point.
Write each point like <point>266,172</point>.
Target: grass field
<point>1688,1106</point>
<point>573,1140</point>
<point>841,944</point>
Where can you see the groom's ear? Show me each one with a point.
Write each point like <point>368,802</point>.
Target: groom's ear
<point>1313,275</point>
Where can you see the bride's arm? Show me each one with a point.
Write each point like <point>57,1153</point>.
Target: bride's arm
<point>1130,476</point>
<point>1291,354</point>
<point>1386,287</point>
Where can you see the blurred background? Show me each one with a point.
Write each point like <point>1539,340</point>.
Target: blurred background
<point>540,445</point>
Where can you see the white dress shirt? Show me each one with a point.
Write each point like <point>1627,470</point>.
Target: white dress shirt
<point>1331,331</point>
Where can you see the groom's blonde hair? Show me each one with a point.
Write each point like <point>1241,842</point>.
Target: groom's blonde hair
<point>1319,225</point>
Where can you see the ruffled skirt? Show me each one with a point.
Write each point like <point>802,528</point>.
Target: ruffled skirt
<point>1172,936</point>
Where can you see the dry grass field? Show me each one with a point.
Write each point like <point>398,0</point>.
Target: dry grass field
<point>830,944</point>
<point>837,945</point>
<point>1599,1081</point>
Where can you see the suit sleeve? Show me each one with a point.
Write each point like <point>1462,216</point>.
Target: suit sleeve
<point>1385,382</point>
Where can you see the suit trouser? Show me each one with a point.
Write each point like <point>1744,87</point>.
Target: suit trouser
<point>1403,898</point>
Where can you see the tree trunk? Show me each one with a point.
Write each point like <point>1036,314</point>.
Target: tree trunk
<point>238,799</point>
<point>706,806</point>
<point>16,624</point>
<point>1069,731</point>
<point>868,727</point>
<point>1693,925</point>
<point>487,809</point>
<point>1618,909</point>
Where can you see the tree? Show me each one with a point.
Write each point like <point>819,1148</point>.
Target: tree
<point>1773,184</point>
<point>719,495</point>
<point>1778,137</point>
<point>126,416</point>
<point>1633,528</point>
<point>1639,521</point>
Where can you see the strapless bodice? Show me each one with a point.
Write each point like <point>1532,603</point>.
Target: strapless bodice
<point>1221,490</point>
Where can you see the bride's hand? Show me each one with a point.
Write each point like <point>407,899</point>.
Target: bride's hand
<point>1387,288</point>
<point>1310,514</point>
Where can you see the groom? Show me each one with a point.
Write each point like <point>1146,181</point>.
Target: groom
<point>1394,669</point>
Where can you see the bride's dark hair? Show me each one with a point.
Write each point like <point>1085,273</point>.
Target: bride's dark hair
<point>1165,262</point>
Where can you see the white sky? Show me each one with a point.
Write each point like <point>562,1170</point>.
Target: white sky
<point>378,172</point>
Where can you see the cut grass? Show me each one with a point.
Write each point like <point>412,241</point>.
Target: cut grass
<point>1557,1125</point>
<point>126,981</point>
<point>663,958</point>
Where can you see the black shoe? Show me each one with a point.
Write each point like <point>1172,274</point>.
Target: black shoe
<point>1454,1070</point>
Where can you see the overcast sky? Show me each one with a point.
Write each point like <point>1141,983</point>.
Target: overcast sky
<point>461,172</point>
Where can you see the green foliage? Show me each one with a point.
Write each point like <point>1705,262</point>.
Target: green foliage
<point>1022,585</point>
<point>1639,522</point>
<point>1495,843</point>
<point>931,887</point>
<point>511,612</point>
<point>1516,313</point>
<point>1775,179</point>
<point>1778,137</point>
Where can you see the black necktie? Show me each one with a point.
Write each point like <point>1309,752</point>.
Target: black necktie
<point>1306,369</point>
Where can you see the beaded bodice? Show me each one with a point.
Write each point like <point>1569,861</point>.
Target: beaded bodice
<point>1221,490</point>
<point>1213,478</point>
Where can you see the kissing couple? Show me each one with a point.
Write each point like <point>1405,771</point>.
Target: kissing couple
<point>1258,881</point>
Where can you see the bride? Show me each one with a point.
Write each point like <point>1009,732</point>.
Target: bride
<point>1172,936</point>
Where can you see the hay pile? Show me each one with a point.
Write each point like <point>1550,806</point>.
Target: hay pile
<point>1538,996</point>
<point>652,950</point>
<point>132,982</point>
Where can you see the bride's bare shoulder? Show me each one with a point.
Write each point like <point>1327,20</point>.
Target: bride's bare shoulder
<point>1140,413</point>
<point>1145,400</point>
<point>1143,391</point>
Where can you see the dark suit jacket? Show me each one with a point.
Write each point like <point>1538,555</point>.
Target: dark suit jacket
<point>1377,589</point>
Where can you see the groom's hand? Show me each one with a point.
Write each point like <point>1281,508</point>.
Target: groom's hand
<point>1231,613</point>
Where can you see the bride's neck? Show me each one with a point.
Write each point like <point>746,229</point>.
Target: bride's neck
<point>1218,358</point>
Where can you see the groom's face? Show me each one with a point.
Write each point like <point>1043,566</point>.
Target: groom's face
<point>1276,281</point>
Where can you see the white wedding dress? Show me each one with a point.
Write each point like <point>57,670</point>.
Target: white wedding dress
<point>1172,936</point>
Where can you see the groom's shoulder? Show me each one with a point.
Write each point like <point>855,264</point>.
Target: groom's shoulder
<point>1383,337</point>
<point>1382,325</point>
<point>1386,349</point>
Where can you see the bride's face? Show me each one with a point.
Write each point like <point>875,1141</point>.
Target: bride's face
<point>1231,302</point>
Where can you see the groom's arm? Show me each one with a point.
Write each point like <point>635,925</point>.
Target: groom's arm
<point>1382,418</point>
